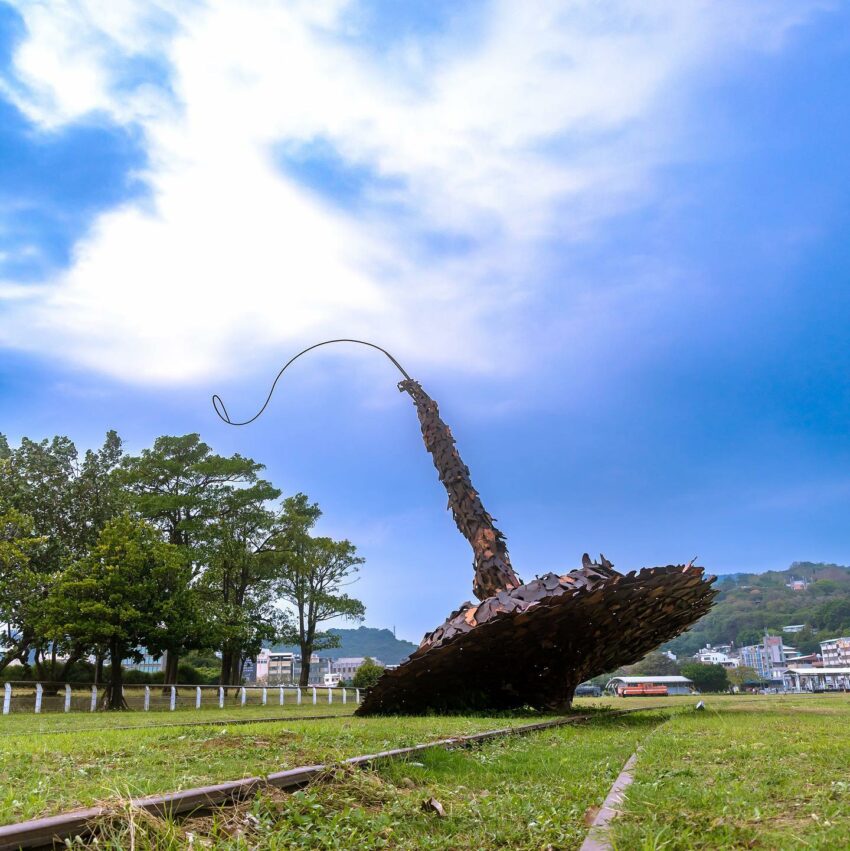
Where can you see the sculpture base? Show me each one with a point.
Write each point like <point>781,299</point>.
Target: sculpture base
<point>533,645</point>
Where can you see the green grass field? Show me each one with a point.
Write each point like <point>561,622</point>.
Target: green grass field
<point>766,772</point>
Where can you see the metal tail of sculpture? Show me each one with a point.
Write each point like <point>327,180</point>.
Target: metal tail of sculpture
<point>493,571</point>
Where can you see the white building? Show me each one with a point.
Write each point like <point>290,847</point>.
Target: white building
<point>347,666</point>
<point>835,651</point>
<point>710,656</point>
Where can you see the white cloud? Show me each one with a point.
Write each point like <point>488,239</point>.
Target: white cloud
<point>548,118</point>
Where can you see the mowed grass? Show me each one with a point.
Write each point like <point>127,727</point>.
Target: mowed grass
<point>771,773</point>
<point>48,767</point>
<point>29,723</point>
<point>524,792</point>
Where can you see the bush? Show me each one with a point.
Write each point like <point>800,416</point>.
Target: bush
<point>367,674</point>
<point>707,677</point>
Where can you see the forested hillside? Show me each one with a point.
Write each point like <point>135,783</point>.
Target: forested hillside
<point>750,603</point>
<point>367,641</point>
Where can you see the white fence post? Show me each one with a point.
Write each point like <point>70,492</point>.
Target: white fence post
<point>67,698</point>
<point>220,697</point>
<point>147,698</point>
<point>344,696</point>
<point>243,695</point>
<point>314,695</point>
<point>93,699</point>
<point>173,698</point>
<point>39,691</point>
<point>265,695</point>
<point>197,697</point>
<point>357,695</point>
<point>7,698</point>
<point>330,695</point>
<point>298,699</point>
<point>281,695</point>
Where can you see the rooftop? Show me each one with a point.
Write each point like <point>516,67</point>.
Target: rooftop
<point>651,679</point>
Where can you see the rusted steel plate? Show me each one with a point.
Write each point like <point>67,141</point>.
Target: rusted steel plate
<point>534,644</point>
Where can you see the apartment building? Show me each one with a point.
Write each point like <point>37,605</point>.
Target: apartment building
<point>836,652</point>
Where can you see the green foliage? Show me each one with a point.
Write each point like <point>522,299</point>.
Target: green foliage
<point>119,595</point>
<point>367,674</point>
<point>310,575</point>
<point>749,604</point>
<point>66,501</point>
<point>707,677</point>
<point>66,521</point>
<point>237,590</point>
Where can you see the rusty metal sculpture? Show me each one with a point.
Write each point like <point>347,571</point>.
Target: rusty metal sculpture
<point>524,643</point>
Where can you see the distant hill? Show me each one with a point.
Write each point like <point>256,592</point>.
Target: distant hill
<point>750,603</point>
<point>365,641</point>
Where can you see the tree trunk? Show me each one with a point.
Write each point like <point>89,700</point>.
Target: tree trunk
<point>224,676</point>
<point>306,653</point>
<point>113,699</point>
<point>172,660</point>
<point>169,678</point>
<point>236,669</point>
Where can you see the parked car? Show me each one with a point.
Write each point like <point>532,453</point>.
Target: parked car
<point>588,690</point>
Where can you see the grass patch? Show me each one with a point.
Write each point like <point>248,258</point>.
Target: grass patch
<point>48,774</point>
<point>530,792</point>
<point>770,774</point>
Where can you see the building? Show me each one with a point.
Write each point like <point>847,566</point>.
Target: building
<point>811,660</point>
<point>835,678</point>
<point>275,668</point>
<point>149,664</point>
<point>714,656</point>
<point>794,627</point>
<point>797,584</point>
<point>674,685</point>
<point>279,668</point>
<point>770,658</point>
<point>347,666</point>
<point>835,652</point>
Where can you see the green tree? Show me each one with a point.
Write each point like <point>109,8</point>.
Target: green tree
<point>707,677</point>
<point>367,674</point>
<point>742,674</point>
<point>68,501</point>
<point>311,575</point>
<point>657,663</point>
<point>179,485</point>
<point>20,597</point>
<point>118,596</point>
<point>238,586</point>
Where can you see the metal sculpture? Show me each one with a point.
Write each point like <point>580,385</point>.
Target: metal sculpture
<point>523,643</point>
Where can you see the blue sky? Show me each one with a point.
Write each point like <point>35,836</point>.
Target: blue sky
<point>611,243</point>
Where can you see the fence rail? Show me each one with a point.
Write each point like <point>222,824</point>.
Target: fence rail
<point>26,697</point>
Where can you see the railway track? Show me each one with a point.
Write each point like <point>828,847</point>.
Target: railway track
<point>46,832</point>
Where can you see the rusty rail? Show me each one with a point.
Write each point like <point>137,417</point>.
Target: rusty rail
<point>46,832</point>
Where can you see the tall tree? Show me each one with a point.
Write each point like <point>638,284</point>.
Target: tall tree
<point>118,596</point>
<point>311,575</point>
<point>20,591</point>
<point>179,484</point>
<point>68,502</point>
<point>238,585</point>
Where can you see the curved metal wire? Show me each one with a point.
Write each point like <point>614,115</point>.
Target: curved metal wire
<point>220,409</point>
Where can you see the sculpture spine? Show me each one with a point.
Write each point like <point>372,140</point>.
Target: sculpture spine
<point>493,570</point>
